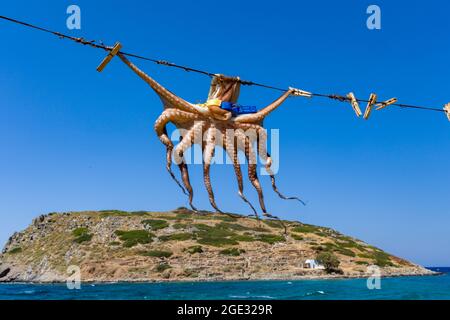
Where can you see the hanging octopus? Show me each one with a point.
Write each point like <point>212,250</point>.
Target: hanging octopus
<point>214,125</point>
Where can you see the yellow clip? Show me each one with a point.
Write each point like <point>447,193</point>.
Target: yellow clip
<point>213,102</point>
<point>372,101</point>
<point>386,103</point>
<point>210,103</point>
<point>447,110</point>
<point>354,104</point>
<point>115,50</point>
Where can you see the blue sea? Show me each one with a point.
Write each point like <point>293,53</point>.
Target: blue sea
<point>408,288</point>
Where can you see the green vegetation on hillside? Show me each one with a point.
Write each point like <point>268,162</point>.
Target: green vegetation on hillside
<point>120,213</point>
<point>162,267</point>
<point>216,241</point>
<point>273,224</point>
<point>270,238</point>
<point>82,235</point>
<point>296,237</point>
<point>132,238</point>
<point>157,253</point>
<point>232,252</point>
<point>80,231</point>
<point>306,228</point>
<point>334,247</point>
<point>225,218</point>
<point>155,224</point>
<point>176,237</point>
<point>15,250</point>
<point>233,226</point>
<point>348,247</point>
<point>223,234</point>
<point>180,226</point>
<point>382,259</point>
<point>329,261</point>
<point>184,213</point>
<point>244,238</point>
<point>194,249</point>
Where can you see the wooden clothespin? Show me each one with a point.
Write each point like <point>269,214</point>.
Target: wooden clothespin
<point>372,101</point>
<point>114,51</point>
<point>300,93</point>
<point>386,103</point>
<point>447,110</point>
<point>354,104</point>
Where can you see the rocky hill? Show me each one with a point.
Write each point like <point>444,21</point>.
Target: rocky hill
<point>184,246</point>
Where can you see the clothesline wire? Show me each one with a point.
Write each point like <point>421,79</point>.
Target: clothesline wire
<point>100,45</point>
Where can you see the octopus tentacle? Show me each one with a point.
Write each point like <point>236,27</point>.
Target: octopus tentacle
<point>232,151</point>
<point>169,148</point>
<point>259,116</point>
<point>208,152</point>
<point>186,181</point>
<point>185,176</point>
<point>161,130</point>
<point>166,96</point>
<point>253,176</point>
<point>265,156</point>
<point>252,173</point>
<point>186,142</point>
<point>274,186</point>
<point>192,134</point>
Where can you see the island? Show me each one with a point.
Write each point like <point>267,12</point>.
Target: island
<point>183,245</point>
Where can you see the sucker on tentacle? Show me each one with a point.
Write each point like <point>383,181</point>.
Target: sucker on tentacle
<point>185,143</point>
<point>253,176</point>
<point>252,173</point>
<point>161,130</point>
<point>185,177</point>
<point>208,155</point>
<point>169,149</point>
<point>231,149</point>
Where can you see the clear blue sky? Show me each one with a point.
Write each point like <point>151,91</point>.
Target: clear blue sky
<point>74,139</point>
